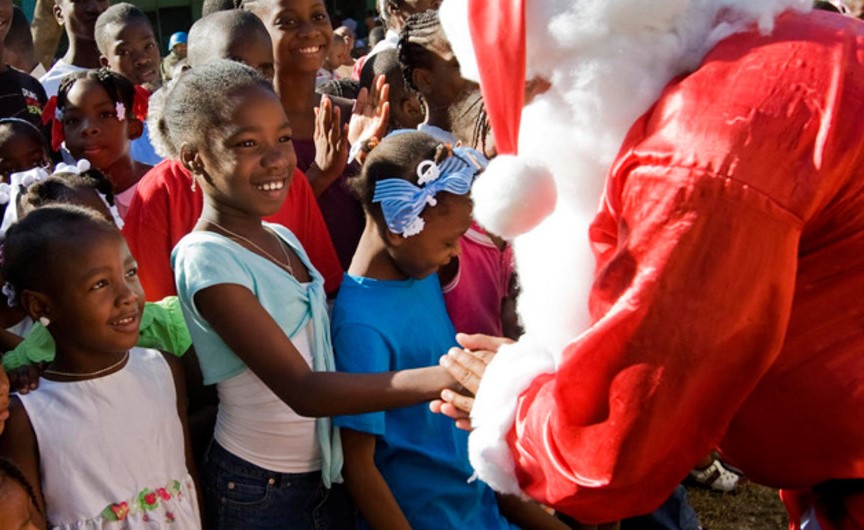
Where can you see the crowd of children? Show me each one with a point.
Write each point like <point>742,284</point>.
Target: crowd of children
<point>288,246</point>
<point>228,292</point>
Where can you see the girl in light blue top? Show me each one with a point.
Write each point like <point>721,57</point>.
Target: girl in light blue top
<point>256,311</point>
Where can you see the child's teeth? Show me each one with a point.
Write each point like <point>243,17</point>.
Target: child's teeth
<point>271,186</point>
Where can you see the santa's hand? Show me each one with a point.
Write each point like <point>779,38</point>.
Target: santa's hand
<point>440,406</point>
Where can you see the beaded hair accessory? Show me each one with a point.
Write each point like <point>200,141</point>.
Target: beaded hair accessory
<point>402,202</point>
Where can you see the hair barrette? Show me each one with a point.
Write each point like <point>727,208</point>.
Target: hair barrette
<point>402,202</point>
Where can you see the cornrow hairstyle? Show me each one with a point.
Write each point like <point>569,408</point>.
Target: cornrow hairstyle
<point>470,123</point>
<point>118,14</point>
<point>421,31</point>
<point>118,88</point>
<point>11,471</point>
<point>31,245</point>
<point>343,88</point>
<point>60,186</point>
<point>214,6</point>
<point>199,104</point>
<point>396,156</point>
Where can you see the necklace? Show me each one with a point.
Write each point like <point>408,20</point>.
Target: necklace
<point>287,265</point>
<point>90,374</point>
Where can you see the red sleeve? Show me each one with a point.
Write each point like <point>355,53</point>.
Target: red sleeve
<point>162,211</point>
<point>300,214</point>
<point>697,282</point>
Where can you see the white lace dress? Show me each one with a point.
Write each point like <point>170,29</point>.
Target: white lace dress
<point>112,449</point>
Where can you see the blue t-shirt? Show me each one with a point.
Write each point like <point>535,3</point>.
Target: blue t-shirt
<point>383,325</point>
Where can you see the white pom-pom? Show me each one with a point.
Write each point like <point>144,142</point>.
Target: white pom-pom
<point>513,196</point>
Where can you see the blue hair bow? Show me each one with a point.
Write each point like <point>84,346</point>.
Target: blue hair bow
<point>402,202</point>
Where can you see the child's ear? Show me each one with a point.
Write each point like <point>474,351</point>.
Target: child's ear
<point>390,239</point>
<point>411,107</point>
<point>135,128</point>
<point>59,16</point>
<point>103,60</point>
<point>35,304</point>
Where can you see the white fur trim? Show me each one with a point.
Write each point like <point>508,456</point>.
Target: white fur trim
<point>507,376</point>
<point>454,17</point>
<point>513,195</point>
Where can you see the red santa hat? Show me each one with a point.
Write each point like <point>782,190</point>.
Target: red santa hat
<point>516,194</point>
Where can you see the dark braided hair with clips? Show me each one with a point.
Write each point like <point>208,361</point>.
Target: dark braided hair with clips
<point>119,89</point>
<point>421,30</point>
<point>58,187</point>
<point>8,469</point>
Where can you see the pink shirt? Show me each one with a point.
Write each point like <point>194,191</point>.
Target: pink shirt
<point>474,296</point>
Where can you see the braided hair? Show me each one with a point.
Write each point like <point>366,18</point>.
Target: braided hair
<point>118,88</point>
<point>421,30</point>
<point>60,186</point>
<point>32,244</point>
<point>10,470</point>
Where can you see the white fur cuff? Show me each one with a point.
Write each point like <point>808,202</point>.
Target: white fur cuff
<point>508,375</point>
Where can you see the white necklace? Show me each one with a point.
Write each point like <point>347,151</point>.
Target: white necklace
<point>287,265</point>
<point>90,374</point>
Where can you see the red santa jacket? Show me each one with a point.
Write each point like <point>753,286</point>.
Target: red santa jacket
<point>728,304</point>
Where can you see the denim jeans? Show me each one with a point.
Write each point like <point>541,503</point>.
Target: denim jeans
<point>239,495</point>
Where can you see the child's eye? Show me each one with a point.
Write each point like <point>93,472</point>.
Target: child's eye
<point>108,114</point>
<point>99,285</point>
<point>70,121</point>
<point>318,17</point>
<point>246,143</point>
<point>150,46</point>
<point>284,139</point>
<point>131,273</point>
<point>122,53</point>
<point>285,22</point>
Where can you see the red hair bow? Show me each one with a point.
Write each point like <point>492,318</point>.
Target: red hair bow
<point>140,103</point>
<point>49,114</point>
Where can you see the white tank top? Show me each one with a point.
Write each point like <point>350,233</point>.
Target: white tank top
<point>112,449</point>
<point>257,426</point>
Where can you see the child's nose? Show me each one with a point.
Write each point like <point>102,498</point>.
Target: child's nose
<point>278,157</point>
<point>88,127</point>
<point>141,58</point>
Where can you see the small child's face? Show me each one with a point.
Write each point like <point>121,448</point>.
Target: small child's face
<point>21,152</point>
<point>91,125</point>
<point>16,510</point>
<point>301,33</point>
<point>97,299</point>
<point>5,18</point>
<point>251,165</point>
<point>134,53</point>
<point>422,254</point>
<point>79,16</point>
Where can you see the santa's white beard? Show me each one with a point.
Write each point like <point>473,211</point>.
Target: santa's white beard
<point>607,61</point>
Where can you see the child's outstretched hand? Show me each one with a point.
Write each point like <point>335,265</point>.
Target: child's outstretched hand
<point>467,366</point>
<point>331,146</point>
<point>371,115</point>
<point>25,378</point>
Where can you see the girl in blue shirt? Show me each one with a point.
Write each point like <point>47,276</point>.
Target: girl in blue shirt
<point>408,468</point>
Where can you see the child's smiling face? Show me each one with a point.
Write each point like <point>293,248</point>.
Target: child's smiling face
<point>249,168</point>
<point>301,33</point>
<point>91,125</point>
<point>95,297</point>
<point>134,53</point>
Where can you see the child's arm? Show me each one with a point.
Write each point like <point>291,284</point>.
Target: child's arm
<point>527,514</point>
<point>246,327</point>
<point>366,485</point>
<point>18,444</point>
<point>182,407</point>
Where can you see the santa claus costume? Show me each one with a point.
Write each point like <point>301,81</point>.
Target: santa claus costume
<point>687,210</point>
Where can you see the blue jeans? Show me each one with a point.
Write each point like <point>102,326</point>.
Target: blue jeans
<point>239,495</point>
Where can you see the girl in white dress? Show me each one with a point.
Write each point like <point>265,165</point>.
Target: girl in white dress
<point>103,440</point>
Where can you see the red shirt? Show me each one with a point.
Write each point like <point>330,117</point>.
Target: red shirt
<point>728,304</point>
<point>164,209</point>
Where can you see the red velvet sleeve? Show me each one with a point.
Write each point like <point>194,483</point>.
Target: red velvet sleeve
<point>691,301</point>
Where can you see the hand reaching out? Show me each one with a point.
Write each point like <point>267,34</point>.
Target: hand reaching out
<point>467,366</point>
